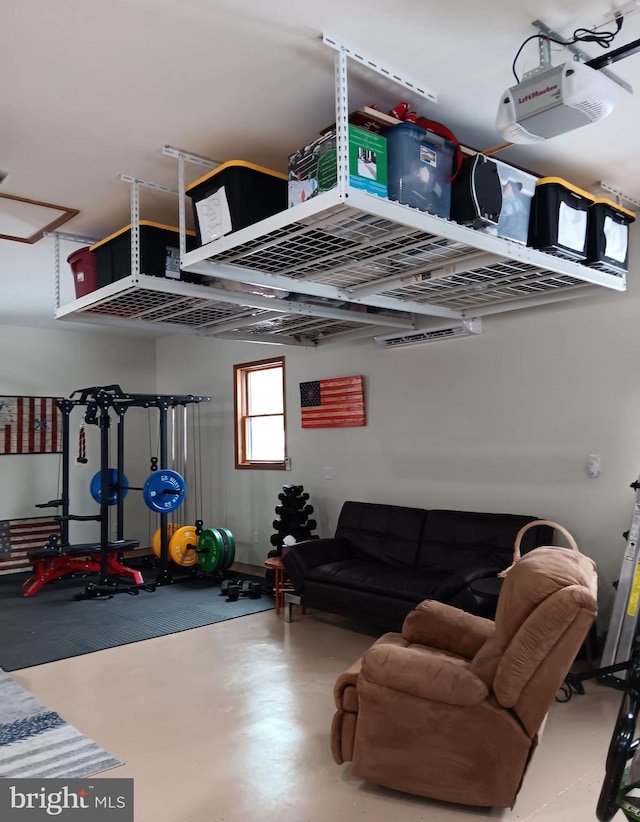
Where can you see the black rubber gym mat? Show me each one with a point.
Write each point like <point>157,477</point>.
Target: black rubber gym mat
<point>52,625</point>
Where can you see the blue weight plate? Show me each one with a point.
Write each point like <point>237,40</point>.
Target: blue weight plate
<point>112,497</point>
<point>164,491</point>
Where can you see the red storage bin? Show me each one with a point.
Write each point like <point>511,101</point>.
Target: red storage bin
<point>83,266</point>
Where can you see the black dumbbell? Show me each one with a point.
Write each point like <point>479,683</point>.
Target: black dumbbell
<point>233,592</point>
<point>255,590</point>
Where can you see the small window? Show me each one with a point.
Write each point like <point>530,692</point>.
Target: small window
<point>260,417</point>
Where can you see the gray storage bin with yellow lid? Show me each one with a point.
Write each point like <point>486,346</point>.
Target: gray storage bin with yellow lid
<point>159,253</point>
<point>234,195</point>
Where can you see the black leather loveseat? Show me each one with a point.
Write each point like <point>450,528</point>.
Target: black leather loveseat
<point>385,559</point>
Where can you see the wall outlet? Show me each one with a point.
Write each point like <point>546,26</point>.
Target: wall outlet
<point>327,472</point>
<point>594,466</point>
<point>287,463</point>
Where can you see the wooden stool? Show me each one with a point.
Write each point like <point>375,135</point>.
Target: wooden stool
<point>275,563</point>
<point>280,587</point>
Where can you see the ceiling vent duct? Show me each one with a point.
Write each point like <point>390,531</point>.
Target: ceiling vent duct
<point>464,328</point>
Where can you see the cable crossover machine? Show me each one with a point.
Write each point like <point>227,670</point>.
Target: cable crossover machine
<point>163,492</point>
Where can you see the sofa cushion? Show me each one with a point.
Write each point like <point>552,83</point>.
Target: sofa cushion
<point>386,533</point>
<point>378,578</point>
<point>452,540</point>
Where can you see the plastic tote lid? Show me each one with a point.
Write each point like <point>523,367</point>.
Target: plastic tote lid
<point>142,222</point>
<point>78,255</point>
<point>545,181</point>
<point>615,207</point>
<point>234,164</point>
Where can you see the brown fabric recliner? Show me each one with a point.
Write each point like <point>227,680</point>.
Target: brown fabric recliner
<point>454,706</point>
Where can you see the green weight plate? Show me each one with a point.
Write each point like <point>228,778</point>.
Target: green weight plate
<point>229,548</point>
<point>210,550</point>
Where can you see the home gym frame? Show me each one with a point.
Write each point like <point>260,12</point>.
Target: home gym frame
<point>99,401</point>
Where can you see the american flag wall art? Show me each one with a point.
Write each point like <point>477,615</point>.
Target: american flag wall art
<point>334,403</point>
<point>30,425</point>
<point>19,536</point>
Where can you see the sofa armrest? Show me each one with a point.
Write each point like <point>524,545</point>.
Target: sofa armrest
<point>424,675</point>
<point>459,580</point>
<point>441,626</point>
<point>304,556</point>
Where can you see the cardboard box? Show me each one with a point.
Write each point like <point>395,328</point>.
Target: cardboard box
<point>312,169</point>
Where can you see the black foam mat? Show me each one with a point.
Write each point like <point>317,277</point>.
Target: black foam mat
<point>52,625</point>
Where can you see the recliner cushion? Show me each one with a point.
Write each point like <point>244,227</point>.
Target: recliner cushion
<point>387,533</point>
<point>377,578</point>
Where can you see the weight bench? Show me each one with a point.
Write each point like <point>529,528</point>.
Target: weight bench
<point>49,563</point>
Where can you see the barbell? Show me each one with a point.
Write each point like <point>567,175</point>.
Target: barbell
<point>164,490</point>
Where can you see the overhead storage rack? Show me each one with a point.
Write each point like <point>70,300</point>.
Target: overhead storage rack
<point>345,264</point>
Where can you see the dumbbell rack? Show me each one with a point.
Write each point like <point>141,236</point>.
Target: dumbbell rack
<point>293,512</point>
<point>293,520</point>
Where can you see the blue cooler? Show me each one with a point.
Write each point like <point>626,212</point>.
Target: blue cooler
<point>420,166</point>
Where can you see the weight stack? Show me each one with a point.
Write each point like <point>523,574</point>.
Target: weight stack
<point>293,511</point>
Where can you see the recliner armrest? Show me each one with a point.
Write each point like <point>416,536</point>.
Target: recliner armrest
<point>437,625</point>
<point>306,555</point>
<point>424,675</point>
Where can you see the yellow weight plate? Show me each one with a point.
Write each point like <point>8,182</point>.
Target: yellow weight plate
<point>182,548</point>
<point>172,527</point>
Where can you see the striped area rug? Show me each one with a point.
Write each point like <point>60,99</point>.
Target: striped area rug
<point>35,742</point>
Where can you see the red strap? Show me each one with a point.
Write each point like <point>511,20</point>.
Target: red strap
<point>443,131</point>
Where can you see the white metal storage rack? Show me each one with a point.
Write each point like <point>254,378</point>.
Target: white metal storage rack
<point>348,263</point>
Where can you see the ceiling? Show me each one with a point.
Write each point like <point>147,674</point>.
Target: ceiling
<point>94,90</point>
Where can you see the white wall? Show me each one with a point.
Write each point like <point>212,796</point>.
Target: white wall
<point>52,362</point>
<point>503,422</point>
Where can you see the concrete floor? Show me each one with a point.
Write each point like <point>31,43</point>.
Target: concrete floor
<point>230,722</point>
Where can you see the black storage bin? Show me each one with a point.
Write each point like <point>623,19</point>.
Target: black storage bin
<point>159,254</point>
<point>558,222</point>
<point>608,236</point>
<point>476,194</point>
<point>233,196</point>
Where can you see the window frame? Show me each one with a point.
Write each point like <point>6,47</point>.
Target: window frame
<point>240,372</point>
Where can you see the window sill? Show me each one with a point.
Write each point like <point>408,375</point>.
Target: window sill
<point>262,466</point>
